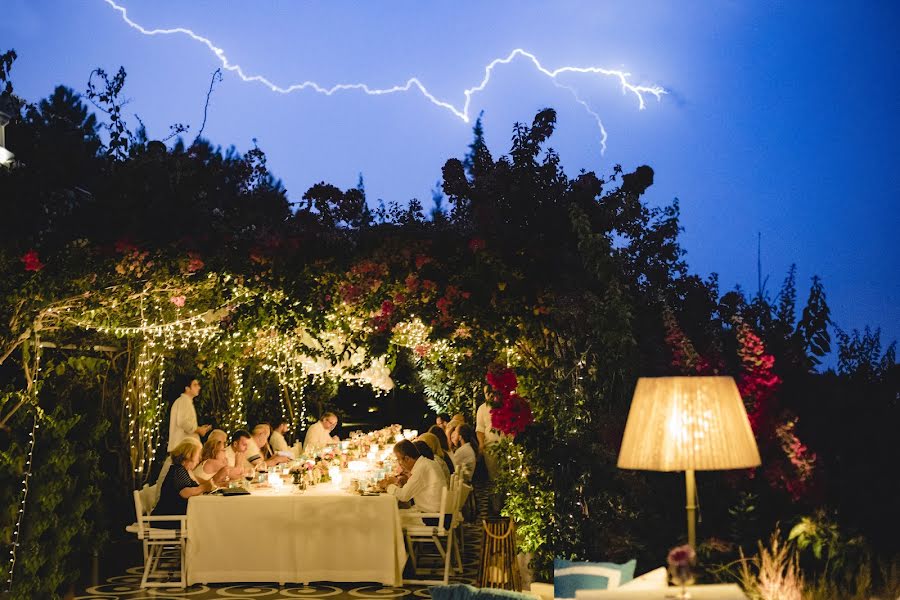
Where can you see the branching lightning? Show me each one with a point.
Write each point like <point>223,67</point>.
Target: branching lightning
<point>413,83</point>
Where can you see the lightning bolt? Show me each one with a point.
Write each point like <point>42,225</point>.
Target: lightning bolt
<point>464,114</point>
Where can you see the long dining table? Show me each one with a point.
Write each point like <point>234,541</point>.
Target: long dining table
<point>283,536</point>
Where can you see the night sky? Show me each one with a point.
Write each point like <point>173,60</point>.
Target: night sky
<point>780,118</point>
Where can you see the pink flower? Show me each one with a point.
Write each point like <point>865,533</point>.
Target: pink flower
<point>177,301</point>
<point>682,556</point>
<point>32,261</point>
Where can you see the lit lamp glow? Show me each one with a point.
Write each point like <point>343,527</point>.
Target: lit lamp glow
<point>688,424</point>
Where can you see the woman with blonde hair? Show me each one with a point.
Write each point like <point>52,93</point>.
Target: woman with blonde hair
<point>213,464</point>
<point>430,440</point>
<point>179,484</point>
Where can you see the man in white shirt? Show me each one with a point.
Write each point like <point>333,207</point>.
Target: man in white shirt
<point>319,433</point>
<point>276,440</point>
<point>182,424</point>
<point>183,416</point>
<point>488,436</point>
<point>424,484</point>
<point>236,455</point>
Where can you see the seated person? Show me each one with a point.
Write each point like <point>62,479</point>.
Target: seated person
<point>428,447</point>
<point>259,444</point>
<point>237,455</point>
<point>179,485</point>
<point>319,433</point>
<point>276,439</point>
<point>218,434</point>
<point>424,485</point>
<point>445,453</point>
<point>466,455</point>
<point>213,464</point>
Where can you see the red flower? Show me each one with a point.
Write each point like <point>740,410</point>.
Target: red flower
<point>513,416</point>
<point>124,246</point>
<point>32,261</point>
<point>503,380</point>
<point>194,262</point>
<point>422,260</point>
<point>476,244</point>
<point>387,308</point>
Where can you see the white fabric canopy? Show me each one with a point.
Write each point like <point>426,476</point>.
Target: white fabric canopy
<point>274,536</point>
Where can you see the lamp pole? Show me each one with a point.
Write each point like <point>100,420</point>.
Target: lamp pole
<point>691,488</point>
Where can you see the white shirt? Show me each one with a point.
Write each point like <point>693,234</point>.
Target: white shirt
<point>424,485</point>
<point>277,442</point>
<point>445,470</point>
<point>230,456</point>
<point>182,421</point>
<point>464,460</point>
<point>483,425</point>
<point>200,474</point>
<point>316,437</point>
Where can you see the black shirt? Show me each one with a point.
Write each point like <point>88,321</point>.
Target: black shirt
<point>170,500</point>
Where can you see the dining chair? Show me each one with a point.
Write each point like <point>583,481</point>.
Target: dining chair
<point>162,546</point>
<point>437,529</point>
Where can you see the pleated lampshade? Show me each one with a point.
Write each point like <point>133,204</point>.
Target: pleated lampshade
<point>682,423</point>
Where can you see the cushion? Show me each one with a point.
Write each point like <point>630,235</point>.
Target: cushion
<point>544,590</point>
<point>651,580</point>
<point>461,591</point>
<point>569,576</point>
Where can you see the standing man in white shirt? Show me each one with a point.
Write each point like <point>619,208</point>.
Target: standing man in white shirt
<point>183,416</point>
<point>319,433</point>
<point>182,424</point>
<point>488,437</point>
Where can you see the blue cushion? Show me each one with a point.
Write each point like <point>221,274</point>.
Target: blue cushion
<point>569,576</point>
<point>461,591</point>
<point>456,591</point>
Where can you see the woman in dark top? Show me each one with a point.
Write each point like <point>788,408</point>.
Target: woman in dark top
<point>442,440</point>
<point>179,485</point>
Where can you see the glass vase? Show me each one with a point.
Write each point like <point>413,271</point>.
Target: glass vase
<point>681,576</point>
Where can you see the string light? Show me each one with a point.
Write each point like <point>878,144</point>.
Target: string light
<point>21,515</point>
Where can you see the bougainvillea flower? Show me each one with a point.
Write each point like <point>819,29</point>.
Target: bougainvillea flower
<point>32,261</point>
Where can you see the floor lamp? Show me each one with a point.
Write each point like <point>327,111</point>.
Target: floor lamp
<point>688,424</point>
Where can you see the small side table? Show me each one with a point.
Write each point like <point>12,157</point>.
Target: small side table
<point>722,591</point>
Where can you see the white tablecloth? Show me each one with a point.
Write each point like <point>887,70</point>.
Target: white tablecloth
<point>320,535</point>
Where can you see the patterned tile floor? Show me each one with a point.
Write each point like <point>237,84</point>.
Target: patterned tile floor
<point>125,583</point>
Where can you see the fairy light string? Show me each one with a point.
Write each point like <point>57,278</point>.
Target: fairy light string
<point>29,463</point>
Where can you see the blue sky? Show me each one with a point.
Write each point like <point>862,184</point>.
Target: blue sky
<point>780,119</point>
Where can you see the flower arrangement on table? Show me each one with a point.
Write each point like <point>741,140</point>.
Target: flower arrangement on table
<point>681,561</point>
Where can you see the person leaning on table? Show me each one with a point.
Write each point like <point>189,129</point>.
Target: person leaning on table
<point>213,464</point>
<point>179,484</point>
<point>319,433</point>
<point>423,486</point>
<point>259,444</point>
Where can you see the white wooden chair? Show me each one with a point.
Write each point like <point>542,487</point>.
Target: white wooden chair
<point>465,492</point>
<point>440,534</point>
<point>162,547</point>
